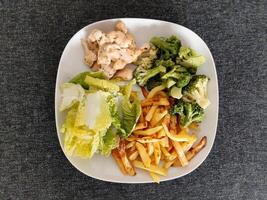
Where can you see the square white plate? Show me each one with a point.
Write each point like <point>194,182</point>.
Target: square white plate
<point>71,63</point>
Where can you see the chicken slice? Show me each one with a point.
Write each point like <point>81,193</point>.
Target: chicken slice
<point>120,26</point>
<point>90,57</point>
<point>126,73</point>
<point>108,70</point>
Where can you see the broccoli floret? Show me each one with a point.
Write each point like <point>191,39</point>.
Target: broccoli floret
<point>147,58</point>
<point>169,47</point>
<point>165,63</point>
<point>196,91</point>
<point>143,75</point>
<point>188,112</point>
<point>176,92</point>
<point>154,82</point>
<point>179,74</point>
<point>190,59</point>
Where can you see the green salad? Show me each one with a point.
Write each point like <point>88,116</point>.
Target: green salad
<point>98,113</point>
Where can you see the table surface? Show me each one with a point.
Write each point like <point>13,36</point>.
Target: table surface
<point>34,33</point>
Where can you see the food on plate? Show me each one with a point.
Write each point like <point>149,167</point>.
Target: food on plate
<point>154,129</point>
<point>111,52</point>
<point>155,148</point>
<point>95,119</point>
<point>169,64</point>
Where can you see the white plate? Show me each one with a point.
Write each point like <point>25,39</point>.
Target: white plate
<point>71,63</point>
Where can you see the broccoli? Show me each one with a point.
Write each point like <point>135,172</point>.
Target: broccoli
<point>143,75</point>
<point>147,58</point>
<point>154,82</point>
<point>169,47</point>
<point>176,92</point>
<point>190,59</point>
<point>188,112</point>
<point>165,63</point>
<point>196,91</point>
<point>179,74</point>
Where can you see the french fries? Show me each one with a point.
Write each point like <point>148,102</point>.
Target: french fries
<point>159,114</point>
<point>144,92</point>
<point>154,177</point>
<point>133,155</point>
<point>158,142</point>
<point>141,125</point>
<point>153,168</point>
<point>159,101</point>
<point>127,165</point>
<point>115,154</point>
<point>150,113</point>
<point>149,131</point>
<point>143,154</point>
<point>154,91</point>
<point>157,152</point>
<point>150,148</point>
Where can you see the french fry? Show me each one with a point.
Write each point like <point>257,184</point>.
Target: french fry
<point>154,177</point>
<point>166,120</point>
<point>180,152</point>
<point>133,148</point>
<point>172,156</point>
<point>133,155</point>
<point>131,138</point>
<point>159,114</point>
<point>157,152</point>
<point>194,126</point>
<point>164,142</point>
<point>127,165</point>
<point>141,118</point>
<point>149,131</point>
<point>148,140</point>
<point>153,168</point>
<point>115,154</point>
<point>176,163</point>
<point>130,144</point>
<point>141,125</point>
<point>150,148</point>
<point>165,152</point>
<point>161,133</point>
<point>194,150</point>
<point>168,164</point>
<point>182,136</point>
<point>154,91</point>
<point>187,145</point>
<point>173,123</point>
<point>144,92</point>
<point>143,154</point>
<point>145,110</point>
<point>150,113</point>
<point>161,94</point>
<point>162,101</point>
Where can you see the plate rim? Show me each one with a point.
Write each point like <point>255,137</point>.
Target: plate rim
<point>57,91</point>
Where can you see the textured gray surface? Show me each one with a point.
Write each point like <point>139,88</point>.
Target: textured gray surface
<point>32,37</point>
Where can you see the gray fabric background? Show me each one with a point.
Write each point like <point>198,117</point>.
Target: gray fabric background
<point>32,37</point>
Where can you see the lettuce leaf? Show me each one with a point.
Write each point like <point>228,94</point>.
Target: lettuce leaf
<point>71,94</point>
<point>130,115</point>
<point>102,84</point>
<point>93,112</point>
<point>86,124</point>
<point>130,110</point>
<point>80,78</point>
<point>78,141</point>
<point>109,142</point>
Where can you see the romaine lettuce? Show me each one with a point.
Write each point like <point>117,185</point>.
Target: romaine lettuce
<point>71,94</point>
